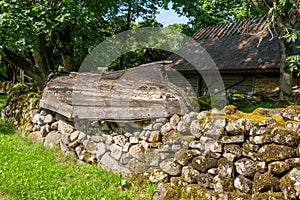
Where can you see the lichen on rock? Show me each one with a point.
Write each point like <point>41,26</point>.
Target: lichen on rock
<point>273,152</point>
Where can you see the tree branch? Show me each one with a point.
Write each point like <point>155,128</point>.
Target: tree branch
<point>19,61</point>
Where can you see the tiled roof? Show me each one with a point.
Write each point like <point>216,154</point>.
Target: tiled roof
<point>243,45</point>
<point>153,55</point>
<point>247,26</point>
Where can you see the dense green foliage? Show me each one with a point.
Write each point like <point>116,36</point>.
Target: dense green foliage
<point>207,12</point>
<point>43,36</point>
<point>29,171</point>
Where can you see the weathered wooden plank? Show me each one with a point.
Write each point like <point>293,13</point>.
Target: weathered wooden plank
<point>139,93</point>
<point>130,113</point>
<point>59,107</point>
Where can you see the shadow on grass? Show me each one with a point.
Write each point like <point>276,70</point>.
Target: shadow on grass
<point>7,128</point>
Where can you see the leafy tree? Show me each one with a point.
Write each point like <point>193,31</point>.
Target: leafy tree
<point>174,33</point>
<point>42,36</point>
<point>181,28</point>
<point>125,14</point>
<point>134,58</point>
<point>202,13</point>
<point>294,60</point>
<point>38,36</point>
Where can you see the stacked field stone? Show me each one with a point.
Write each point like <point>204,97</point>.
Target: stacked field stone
<point>213,154</point>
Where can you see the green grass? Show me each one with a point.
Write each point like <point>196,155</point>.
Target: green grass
<point>29,171</point>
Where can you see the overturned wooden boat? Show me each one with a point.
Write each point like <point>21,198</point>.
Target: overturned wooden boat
<point>139,93</point>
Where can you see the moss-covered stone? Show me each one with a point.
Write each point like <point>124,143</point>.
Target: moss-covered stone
<point>290,184</point>
<point>171,137</point>
<point>185,140</point>
<point>229,110</point>
<point>256,116</point>
<point>265,182</point>
<point>158,175</point>
<point>177,183</point>
<point>233,139</point>
<point>166,192</point>
<point>293,162</point>
<point>194,191</point>
<point>239,195</point>
<point>273,152</point>
<point>205,180</point>
<point>291,113</point>
<point>184,156</point>
<point>240,126</point>
<point>268,195</point>
<point>90,147</point>
<point>243,184</point>
<point>89,158</point>
<point>270,112</point>
<point>155,136</point>
<point>137,166</point>
<point>245,167</point>
<point>225,168</point>
<point>292,125</point>
<point>189,174</point>
<point>278,167</point>
<point>260,139</point>
<point>183,127</point>
<point>281,135</point>
<point>202,163</point>
<point>213,126</point>
<point>20,100</point>
<point>248,147</point>
<point>227,183</point>
<point>171,167</point>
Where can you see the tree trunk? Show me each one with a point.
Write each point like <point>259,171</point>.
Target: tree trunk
<point>68,61</point>
<point>38,66</point>
<point>29,68</point>
<point>127,27</point>
<point>286,76</point>
<point>286,49</point>
<point>66,49</point>
<point>42,63</point>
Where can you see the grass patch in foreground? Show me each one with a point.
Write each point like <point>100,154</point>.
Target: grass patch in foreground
<point>29,171</point>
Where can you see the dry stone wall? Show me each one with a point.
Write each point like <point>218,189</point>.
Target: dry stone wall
<point>217,154</point>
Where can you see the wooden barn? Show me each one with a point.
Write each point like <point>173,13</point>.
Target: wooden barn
<point>245,53</point>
